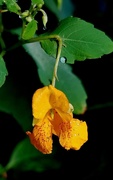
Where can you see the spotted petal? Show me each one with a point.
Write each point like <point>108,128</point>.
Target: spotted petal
<point>41,137</point>
<point>73,134</point>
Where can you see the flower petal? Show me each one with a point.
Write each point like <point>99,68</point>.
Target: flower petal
<point>40,102</point>
<point>56,121</point>
<point>65,116</point>
<point>73,134</point>
<point>58,100</point>
<point>41,137</point>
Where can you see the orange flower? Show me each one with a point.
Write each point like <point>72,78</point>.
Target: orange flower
<point>52,114</point>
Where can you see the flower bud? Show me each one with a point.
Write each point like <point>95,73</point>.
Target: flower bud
<point>25,14</point>
<point>44,17</point>
<point>29,19</point>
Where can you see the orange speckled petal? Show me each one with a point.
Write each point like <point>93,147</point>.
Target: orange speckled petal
<point>41,137</point>
<point>58,99</point>
<point>73,134</point>
<point>55,123</point>
<point>57,120</point>
<point>40,102</point>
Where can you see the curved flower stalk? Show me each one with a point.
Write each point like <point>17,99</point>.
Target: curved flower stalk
<point>52,114</point>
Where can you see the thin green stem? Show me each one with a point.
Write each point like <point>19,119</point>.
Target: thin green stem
<point>58,38</point>
<point>57,61</point>
<point>39,39</point>
<point>23,27</point>
<point>36,39</point>
<point>2,44</point>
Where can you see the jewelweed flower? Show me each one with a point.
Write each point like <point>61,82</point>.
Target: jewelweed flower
<point>52,114</point>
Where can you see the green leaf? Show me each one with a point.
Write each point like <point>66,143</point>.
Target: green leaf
<point>38,2</point>
<point>80,40</point>
<point>3,71</point>
<point>72,86</point>
<point>3,174</point>
<point>1,2</point>
<point>25,157</point>
<point>2,178</point>
<point>30,30</point>
<point>68,82</point>
<point>12,6</point>
<point>13,102</point>
<point>66,10</point>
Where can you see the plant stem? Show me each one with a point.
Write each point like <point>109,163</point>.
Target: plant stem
<point>57,61</point>
<point>23,27</point>
<point>39,39</point>
<point>2,44</point>
<point>59,40</point>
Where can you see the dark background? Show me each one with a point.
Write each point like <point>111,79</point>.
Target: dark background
<point>94,160</point>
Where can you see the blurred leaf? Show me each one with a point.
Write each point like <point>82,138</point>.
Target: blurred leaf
<point>12,101</point>
<point>59,3</point>
<point>66,10</point>
<point>12,6</point>
<point>2,170</point>
<point>80,39</point>
<point>1,2</point>
<point>17,31</point>
<point>37,2</point>
<point>2,178</point>
<point>3,71</point>
<point>3,174</point>
<point>25,157</point>
<point>30,30</point>
<point>68,82</point>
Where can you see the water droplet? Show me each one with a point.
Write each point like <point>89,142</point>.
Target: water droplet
<point>63,60</point>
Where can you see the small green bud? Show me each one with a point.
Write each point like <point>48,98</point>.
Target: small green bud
<point>29,19</point>
<point>45,20</point>
<point>25,14</point>
<point>44,17</point>
<point>40,6</point>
